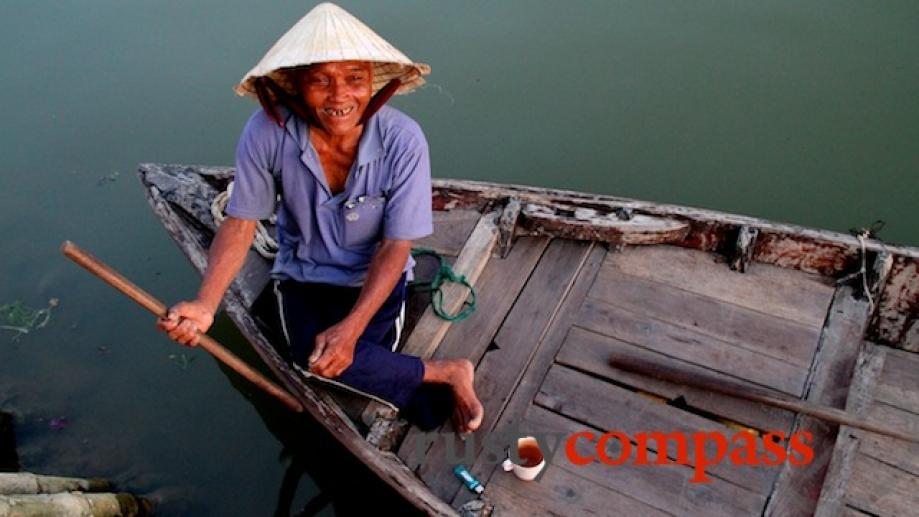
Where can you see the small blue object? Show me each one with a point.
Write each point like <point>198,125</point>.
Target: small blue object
<point>468,479</point>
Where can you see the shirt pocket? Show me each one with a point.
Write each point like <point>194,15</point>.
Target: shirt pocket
<point>362,220</point>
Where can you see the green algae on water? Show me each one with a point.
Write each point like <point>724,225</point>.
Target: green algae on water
<point>21,319</point>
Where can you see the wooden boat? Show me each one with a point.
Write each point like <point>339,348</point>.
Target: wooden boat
<point>565,280</point>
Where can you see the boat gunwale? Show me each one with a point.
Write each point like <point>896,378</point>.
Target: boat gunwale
<point>824,252</point>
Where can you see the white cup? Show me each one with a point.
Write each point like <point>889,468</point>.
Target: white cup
<point>527,449</point>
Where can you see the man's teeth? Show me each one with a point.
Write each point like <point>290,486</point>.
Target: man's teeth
<point>338,113</point>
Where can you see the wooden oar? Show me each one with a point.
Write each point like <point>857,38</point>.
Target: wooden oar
<point>145,299</point>
<point>829,414</point>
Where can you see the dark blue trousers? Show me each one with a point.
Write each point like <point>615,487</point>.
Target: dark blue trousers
<point>309,309</point>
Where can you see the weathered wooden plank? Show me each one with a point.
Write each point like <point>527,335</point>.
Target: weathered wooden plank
<point>507,226</point>
<point>570,295</point>
<point>867,371</point>
<point>744,248</point>
<point>837,352</point>
<point>589,224</point>
<point>899,303</point>
<point>590,352</point>
<point>606,406</point>
<point>691,346</point>
<point>784,293</point>
<point>516,342</point>
<point>797,489</point>
<point>899,383</point>
<point>501,283</point>
<point>561,492</point>
<point>667,488</point>
<point>804,254</point>
<point>882,489</point>
<point>430,330</point>
<point>911,336</point>
<point>782,339</point>
<point>903,455</point>
<point>457,193</point>
<point>848,511</point>
<point>451,230</point>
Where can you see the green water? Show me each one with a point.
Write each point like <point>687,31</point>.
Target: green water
<point>804,112</point>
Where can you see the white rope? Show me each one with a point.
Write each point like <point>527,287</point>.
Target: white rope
<point>264,243</point>
<point>864,270</point>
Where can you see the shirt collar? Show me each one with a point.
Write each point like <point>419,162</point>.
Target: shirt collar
<point>369,148</point>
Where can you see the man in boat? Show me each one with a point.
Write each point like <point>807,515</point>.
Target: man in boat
<point>354,184</point>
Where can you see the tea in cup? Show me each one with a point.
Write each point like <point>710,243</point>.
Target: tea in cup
<point>531,458</point>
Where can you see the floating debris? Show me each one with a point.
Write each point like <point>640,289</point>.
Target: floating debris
<point>22,319</point>
<point>108,178</point>
<point>59,423</point>
<point>182,360</point>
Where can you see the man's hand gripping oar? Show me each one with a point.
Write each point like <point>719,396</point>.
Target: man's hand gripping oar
<point>145,299</point>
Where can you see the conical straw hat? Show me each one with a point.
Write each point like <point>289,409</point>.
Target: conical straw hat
<point>329,33</point>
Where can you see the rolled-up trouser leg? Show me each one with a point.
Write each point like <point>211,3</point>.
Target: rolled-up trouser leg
<point>309,309</point>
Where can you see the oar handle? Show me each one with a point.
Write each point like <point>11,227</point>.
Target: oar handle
<point>826,413</point>
<point>149,302</point>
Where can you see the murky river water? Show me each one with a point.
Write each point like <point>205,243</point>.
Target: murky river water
<point>804,112</point>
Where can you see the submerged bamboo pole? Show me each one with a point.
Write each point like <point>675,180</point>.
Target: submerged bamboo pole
<point>147,301</point>
<point>28,483</point>
<point>74,504</point>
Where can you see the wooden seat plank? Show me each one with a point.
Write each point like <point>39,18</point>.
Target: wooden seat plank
<point>666,488</point>
<point>517,340</point>
<point>502,281</point>
<point>590,352</point>
<point>788,294</point>
<point>451,230</point>
<point>605,406</point>
<point>690,345</point>
<point>868,368</point>
<point>797,490</point>
<point>782,339</point>
<point>430,330</point>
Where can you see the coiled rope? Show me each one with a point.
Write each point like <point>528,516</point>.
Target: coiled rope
<point>445,274</point>
<point>264,243</point>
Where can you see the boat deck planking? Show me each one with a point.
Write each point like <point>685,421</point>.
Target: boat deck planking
<point>875,474</point>
<point>552,312</point>
<point>627,302</point>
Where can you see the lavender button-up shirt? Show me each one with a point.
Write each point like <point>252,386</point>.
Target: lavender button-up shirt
<point>330,238</point>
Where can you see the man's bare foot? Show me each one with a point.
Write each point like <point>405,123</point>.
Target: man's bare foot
<point>460,375</point>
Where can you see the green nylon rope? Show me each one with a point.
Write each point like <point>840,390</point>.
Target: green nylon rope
<point>444,274</point>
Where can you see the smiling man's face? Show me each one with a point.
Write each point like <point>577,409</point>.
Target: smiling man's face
<point>337,93</point>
